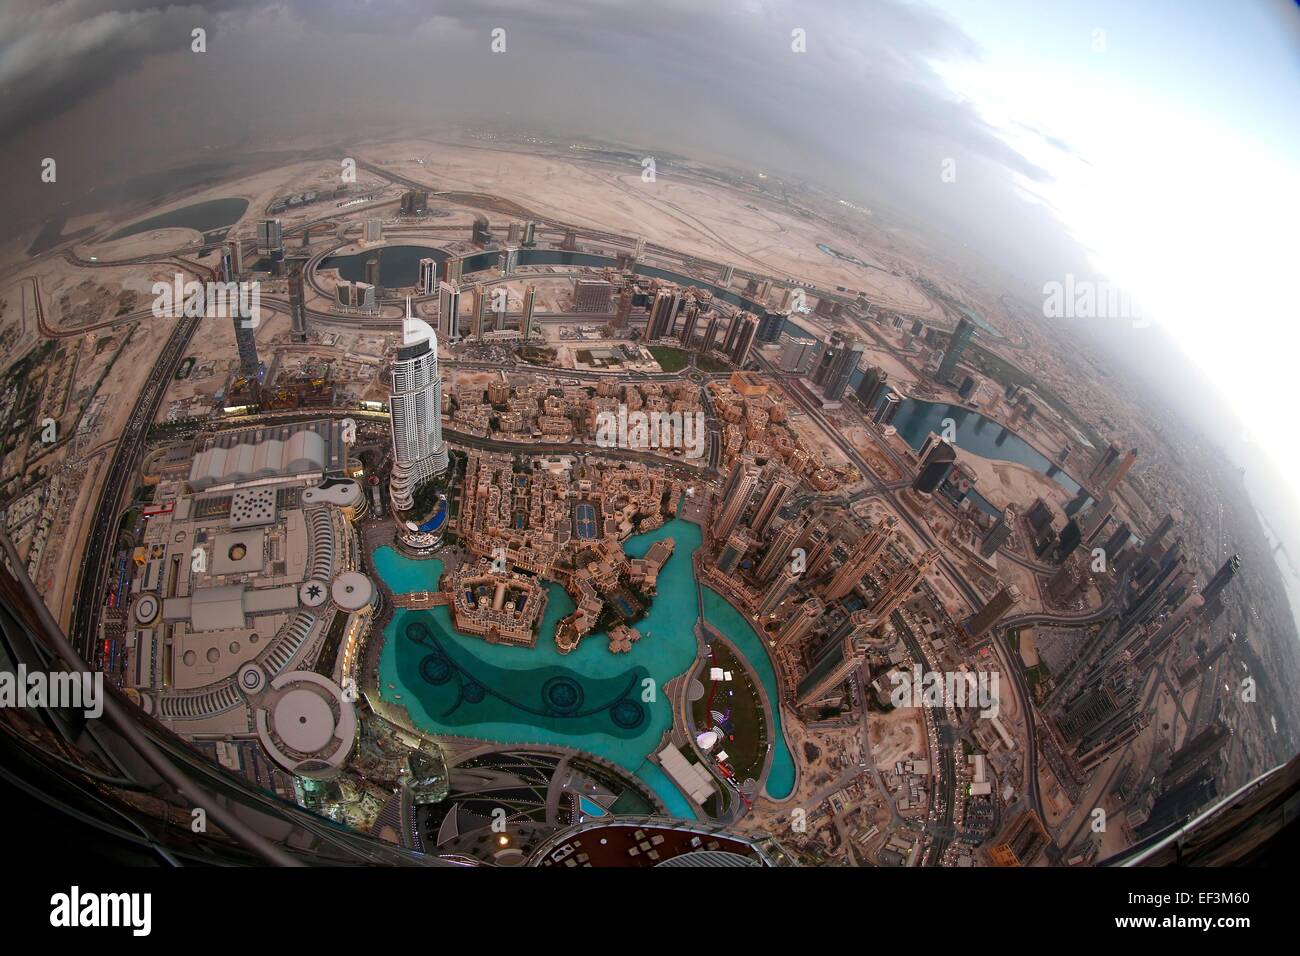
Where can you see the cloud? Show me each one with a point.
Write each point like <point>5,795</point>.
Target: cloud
<point>863,109</point>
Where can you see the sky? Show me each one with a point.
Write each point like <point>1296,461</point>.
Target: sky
<point>1183,177</point>
<point>1150,143</point>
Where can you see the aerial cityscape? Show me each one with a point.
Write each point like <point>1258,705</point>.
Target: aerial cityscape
<point>515,496</point>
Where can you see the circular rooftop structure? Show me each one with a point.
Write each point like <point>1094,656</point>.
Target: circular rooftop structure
<point>313,592</point>
<point>146,609</point>
<point>352,591</point>
<point>306,724</point>
<point>303,720</point>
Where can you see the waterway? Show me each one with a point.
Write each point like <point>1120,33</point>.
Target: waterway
<point>975,433</point>
<point>399,266</point>
<point>734,626</point>
<point>203,217</point>
<point>589,699</point>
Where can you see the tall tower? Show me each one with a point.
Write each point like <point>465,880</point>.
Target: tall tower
<point>987,616</point>
<point>772,501</point>
<point>1121,470</point>
<point>449,312</point>
<point>961,337</point>
<point>297,306</point>
<point>800,622</point>
<point>778,592</point>
<point>898,587</point>
<point>934,466</point>
<point>778,553</point>
<point>419,452</point>
<point>740,487</point>
<point>270,235</point>
<point>246,344</point>
<point>428,276</point>
<point>861,559</point>
<point>739,351</point>
<point>842,368</point>
<point>663,313</point>
<point>530,302</point>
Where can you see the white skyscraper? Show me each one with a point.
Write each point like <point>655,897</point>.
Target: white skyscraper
<point>415,402</point>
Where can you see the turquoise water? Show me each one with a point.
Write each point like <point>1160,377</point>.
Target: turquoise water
<point>404,575</point>
<point>591,809</point>
<point>732,624</point>
<point>589,699</point>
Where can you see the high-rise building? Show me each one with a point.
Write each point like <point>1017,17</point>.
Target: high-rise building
<point>831,669</point>
<point>270,236</point>
<point>479,232</point>
<point>999,533</point>
<point>235,252</point>
<point>779,551</point>
<point>842,367</point>
<point>415,202</point>
<point>530,234</point>
<point>509,261</point>
<point>872,384</point>
<point>777,593</point>
<point>372,271</point>
<point>899,586</point>
<point>428,284</point>
<point>374,230</point>
<point>988,615</point>
<point>453,269</point>
<point>1121,470</point>
<point>819,545</point>
<point>689,323</point>
<point>1103,463</point>
<point>711,332</point>
<point>800,622</point>
<point>727,272</point>
<point>937,460</point>
<point>514,233</point>
<point>449,312</point>
<point>297,306</point>
<point>246,345</point>
<point>745,338</point>
<point>733,552</point>
<point>860,559</point>
<point>730,505</point>
<point>415,403</point>
<point>772,501</point>
<point>771,326</point>
<point>570,242</point>
<point>1221,579</point>
<point>961,337</point>
<point>663,313</point>
<point>592,295</point>
<point>530,303</point>
<point>889,407</point>
<point>1116,542</point>
<point>796,353</point>
<point>624,310</point>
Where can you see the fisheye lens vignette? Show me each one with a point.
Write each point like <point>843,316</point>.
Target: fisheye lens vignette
<point>766,437</point>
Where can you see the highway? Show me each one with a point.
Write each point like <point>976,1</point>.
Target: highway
<point>122,469</point>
